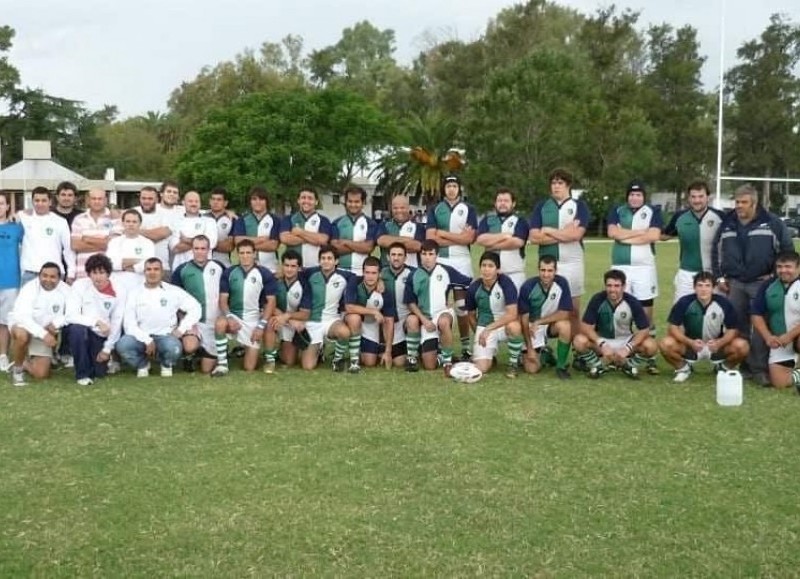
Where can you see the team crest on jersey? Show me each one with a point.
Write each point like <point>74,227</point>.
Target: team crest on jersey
<point>163,302</point>
<point>198,226</point>
<point>362,226</point>
<point>212,271</point>
<point>336,284</point>
<point>376,302</point>
<point>623,315</point>
<point>56,308</point>
<point>570,211</point>
<point>795,295</point>
<point>553,297</point>
<point>295,294</point>
<point>713,315</point>
<point>497,295</point>
<point>439,277</point>
<point>138,251</point>
<point>253,280</point>
<point>49,231</point>
<point>643,214</point>
<point>314,221</point>
<point>107,305</point>
<point>710,223</point>
<point>652,289</point>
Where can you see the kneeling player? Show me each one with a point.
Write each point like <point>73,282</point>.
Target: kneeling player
<point>776,316</point>
<point>292,310</point>
<point>394,276</point>
<point>702,326</point>
<point>247,302</point>
<point>545,306</point>
<point>369,313</point>
<point>492,306</point>
<point>607,334</point>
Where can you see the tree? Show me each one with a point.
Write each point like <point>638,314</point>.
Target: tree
<point>766,100</point>
<point>282,139</point>
<point>676,107</point>
<point>9,76</point>
<point>134,151</point>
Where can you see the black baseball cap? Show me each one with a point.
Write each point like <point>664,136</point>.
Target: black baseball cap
<point>636,185</point>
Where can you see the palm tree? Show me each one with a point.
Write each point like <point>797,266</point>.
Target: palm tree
<point>418,168</point>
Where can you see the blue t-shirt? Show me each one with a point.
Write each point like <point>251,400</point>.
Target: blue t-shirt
<point>10,237</point>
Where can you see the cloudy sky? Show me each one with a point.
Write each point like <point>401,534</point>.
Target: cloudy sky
<point>133,53</point>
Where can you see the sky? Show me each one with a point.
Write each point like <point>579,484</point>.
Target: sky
<point>133,53</point>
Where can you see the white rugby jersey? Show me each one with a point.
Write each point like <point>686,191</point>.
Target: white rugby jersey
<point>224,227</point>
<point>124,247</point>
<point>191,226</point>
<point>47,238</point>
<point>154,311</point>
<point>87,305</point>
<point>36,308</point>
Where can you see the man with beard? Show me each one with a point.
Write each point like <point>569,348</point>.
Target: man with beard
<point>155,225</point>
<point>218,211</point>
<point>261,227</point>
<point>305,230</point>
<point>506,233</point>
<point>353,234</point>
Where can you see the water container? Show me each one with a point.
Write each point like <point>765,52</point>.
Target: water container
<point>729,388</point>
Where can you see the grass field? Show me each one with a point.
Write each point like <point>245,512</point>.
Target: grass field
<point>387,473</point>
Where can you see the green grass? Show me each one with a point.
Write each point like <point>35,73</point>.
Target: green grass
<point>390,474</point>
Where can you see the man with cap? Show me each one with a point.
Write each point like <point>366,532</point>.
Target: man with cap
<point>635,226</point>
<point>453,224</point>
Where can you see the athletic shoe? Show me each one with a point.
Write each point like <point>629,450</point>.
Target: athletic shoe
<point>188,363</point>
<point>546,357</point>
<point>652,369</point>
<point>630,371</point>
<point>412,365</point>
<point>18,377</point>
<point>466,356</point>
<point>512,371</point>
<point>113,366</point>
<point>220,371</point>
<point>596,371</point>
<point>238,352</point>
<point>717,367</point>
<point>166,371</point>
<point>269,367</point>
<point>354,368</point>
<point>143,372</point>
<point>67,361</point>
<point>85,381</point>
<point>580,365</point>
<point>447,367</point>
<point>563,374</point>
<point>682,374</point>
<point>5,365</point>
<point>337,365</point>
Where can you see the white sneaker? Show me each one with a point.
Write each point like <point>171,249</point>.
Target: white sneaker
<point>5,365</point>
<point>219,371</point>
<point>85,382</point>
<point>67,361</point>
<point>113,366</point>
<point>682,374</point>
<point>143,372</point>
<point>166,371</point>
<point>18,378</point>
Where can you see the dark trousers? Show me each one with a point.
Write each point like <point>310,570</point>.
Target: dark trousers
<point>85,346</point>
<point>740,295</point>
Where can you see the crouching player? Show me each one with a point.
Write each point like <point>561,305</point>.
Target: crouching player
<point>394,276</point>
<point>776,316</point>
<point>545,306</point>
<point>492,306</point>
<point>247,302</point>
<point>607,335</point>
<point>292,309</point>
<point>369,314</point>
<point>430,321</point>
<point>702,326</point>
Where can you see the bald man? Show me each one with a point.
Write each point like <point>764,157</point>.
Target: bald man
<point>92,230</point>
<point>192,224</point>
<point>401,228</point>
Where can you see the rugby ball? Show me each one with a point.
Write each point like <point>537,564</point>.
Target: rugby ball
<point>465,372</point>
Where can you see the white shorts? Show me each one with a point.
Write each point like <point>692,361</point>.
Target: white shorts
<point>371,331</point>
<point>287,333</point>
<point>518,278</point>
<point>616,343</point>
<point>574,274</point>
<point>208,340</point>
<point>782,354</point>
<point>460,264</point>
<point>243,336</point>
<point>684,284</point>
<point>426,335</point>
<point>7,299</point>
<point>539,339</point>
<point>319,330</point>
<point>492,342</point>
<point>399,332</point>
<point>37,347</point>
<point>642,280</point>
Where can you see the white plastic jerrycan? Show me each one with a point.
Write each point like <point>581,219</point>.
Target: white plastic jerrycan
<point>729,388</point>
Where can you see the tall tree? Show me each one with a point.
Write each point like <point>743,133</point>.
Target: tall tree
<point>766,99</point>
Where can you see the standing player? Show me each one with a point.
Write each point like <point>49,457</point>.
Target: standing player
<point>506,233</point>
<point>429,325</point>
<point>402,229</point>
<point>452,224</point>
<point>369,314</point>
<point>635,227</point>
<point>776,317</point>
<point>702,326</point>
<point>46,239</point>
<point>261,227</point>
<point>305,230</point>
<point>36,320</point>
<point>353,236</point>
<point>200,278</point>
<point>695,227</point>
<point>395,276</point>
<point>155,224</point>
<point>186,228</point>
<point>66,199</point>
<point>292,310</point>
<point>607,334</point>
<point>545,305</point>
<point>327,284</point>
<point>11,234</point>
<point>218,211</point>
<point>129,252</point>
<point>247,302</point>
<point>92,230</point>
<point>558,225</point>
<point>492,306</point>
